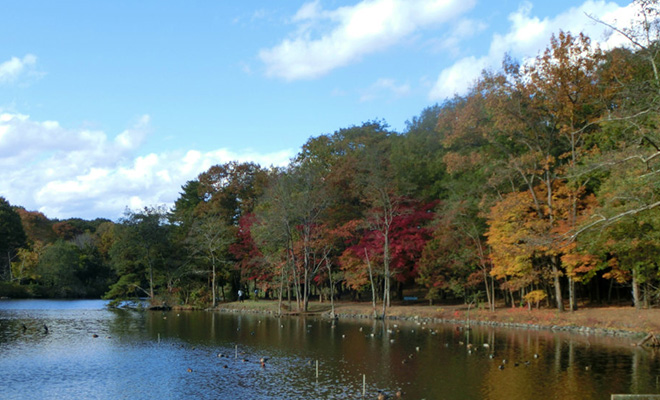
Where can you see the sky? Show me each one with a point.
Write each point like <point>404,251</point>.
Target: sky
<point>114,105</point>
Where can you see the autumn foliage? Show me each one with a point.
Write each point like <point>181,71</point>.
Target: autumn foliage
<point>539,186</point>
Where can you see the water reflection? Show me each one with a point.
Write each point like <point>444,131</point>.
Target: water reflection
<point>176,355</point>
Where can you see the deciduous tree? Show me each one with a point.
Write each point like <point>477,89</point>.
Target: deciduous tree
<point>12,237</point>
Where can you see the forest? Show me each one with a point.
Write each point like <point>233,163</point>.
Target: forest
<point>540,186</point>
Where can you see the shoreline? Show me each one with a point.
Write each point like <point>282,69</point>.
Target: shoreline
<point>621,322</point>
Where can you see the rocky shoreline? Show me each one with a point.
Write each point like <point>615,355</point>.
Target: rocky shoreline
<point>585,330</point>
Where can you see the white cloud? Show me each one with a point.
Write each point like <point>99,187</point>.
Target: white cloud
<point>354,31</point>
<point>12,69</point>
<point>527,36</point>
<point>260,14</point>
<point>458,32</point>
<point>385,87</point>
<point>458,77</point>
<point>309,11</point>
<point>132,138</point>
<point>245,67</point>
<point>79,173</point>
<point>621,17</point>
<point>336,92</point>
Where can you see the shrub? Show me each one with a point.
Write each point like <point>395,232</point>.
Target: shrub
<point>535,296</point>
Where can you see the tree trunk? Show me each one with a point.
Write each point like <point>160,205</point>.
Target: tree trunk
<point>151,273</point>
<point>213,287</point>
<point>306,290</point>
<point>279,296</point>
<point>371,279</point>
<point>213,277</point>
<point>306,274</point>
<point>296,286</point>
<point>571,295</point>
<point>488,299</point>
<point>386,266</point>
<point>295,276</point>
<point>555,274</point>
<point>11,278</point>
<point>332,289</point>
<point>492,288</point>
<point>635,289</point>
<point>151,281</point>
<point>288,294</point>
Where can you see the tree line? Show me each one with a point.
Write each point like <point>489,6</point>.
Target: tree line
<point>539,186</point>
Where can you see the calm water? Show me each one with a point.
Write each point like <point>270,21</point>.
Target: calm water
<point>147,355</point>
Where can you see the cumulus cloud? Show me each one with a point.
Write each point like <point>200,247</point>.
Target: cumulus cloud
<point>10,70</point>
<point>132,138</point>
<point>527,36</point>
<point>328,39</point>
<point>460,76</point>
<point>80,173</point>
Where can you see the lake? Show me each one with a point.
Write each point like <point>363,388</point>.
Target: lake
<point>91,352</point>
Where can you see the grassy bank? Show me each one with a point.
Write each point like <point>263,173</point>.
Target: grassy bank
<point>603,319</point>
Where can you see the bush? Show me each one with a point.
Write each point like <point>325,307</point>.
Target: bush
<point>535,296</point>
<point>15,291</point>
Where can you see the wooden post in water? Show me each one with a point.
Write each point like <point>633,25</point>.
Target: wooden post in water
<point>364,385</point>
<point>317,369</point>
<point>159,338</point>
<point>236,352</point>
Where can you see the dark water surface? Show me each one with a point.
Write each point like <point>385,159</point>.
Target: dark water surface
<point>175,355</point>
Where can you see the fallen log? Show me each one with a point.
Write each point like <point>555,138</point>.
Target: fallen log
<point>654,342</point>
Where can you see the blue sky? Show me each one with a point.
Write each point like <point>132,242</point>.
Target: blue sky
<point>108,105</point>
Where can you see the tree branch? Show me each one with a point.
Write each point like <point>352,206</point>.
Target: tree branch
<point>608,221</point>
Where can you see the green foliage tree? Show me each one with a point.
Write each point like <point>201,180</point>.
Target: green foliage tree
<point>293,209</point>
<point>183,213</point>
<point>72,269</point>
<point>12,237</point>
<point>58,270</point>
<point>273,230</point>
<point>140,247</point>
<point>209,239</point>
<point>230,190</point>
<point>417,158</point>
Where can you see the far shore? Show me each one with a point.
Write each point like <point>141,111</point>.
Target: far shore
<point>601,320</point>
